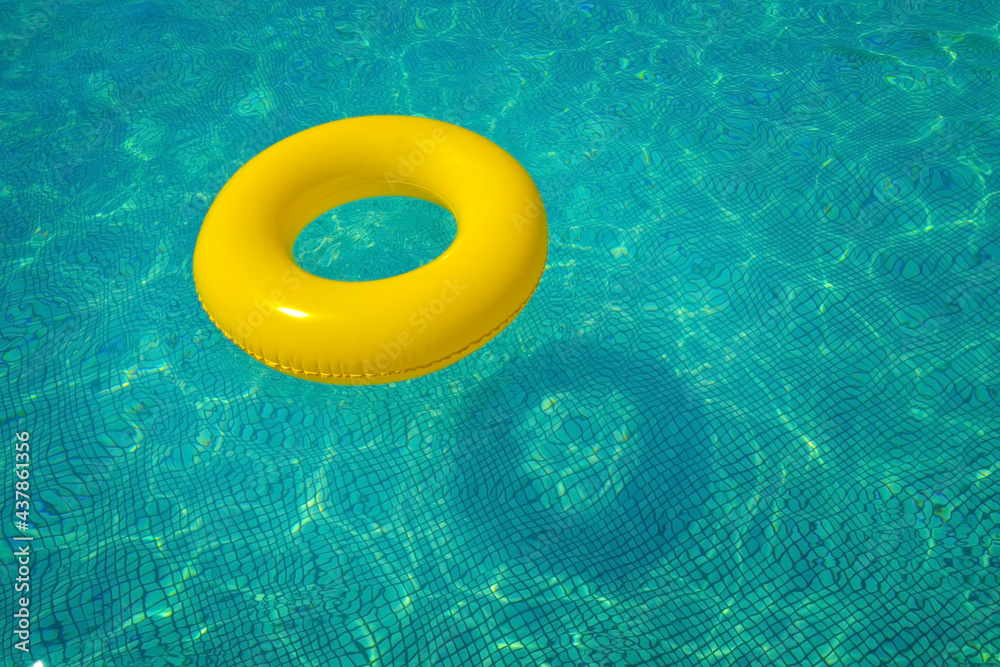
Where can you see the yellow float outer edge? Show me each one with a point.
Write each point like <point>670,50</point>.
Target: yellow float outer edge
<point>426,368</point>
<point>246,242</point>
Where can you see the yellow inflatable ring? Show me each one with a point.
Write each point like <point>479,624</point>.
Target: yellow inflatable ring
<point>381,330</point>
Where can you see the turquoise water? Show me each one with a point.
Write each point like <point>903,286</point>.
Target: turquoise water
<point>750,416</point>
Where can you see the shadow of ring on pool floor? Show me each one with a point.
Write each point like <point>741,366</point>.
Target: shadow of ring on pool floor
<point>582,460</point>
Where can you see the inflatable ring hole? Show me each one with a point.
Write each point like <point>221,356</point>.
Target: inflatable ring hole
<point>374,238</point>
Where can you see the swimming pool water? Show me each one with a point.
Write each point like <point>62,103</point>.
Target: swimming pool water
<point>750,416</point>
